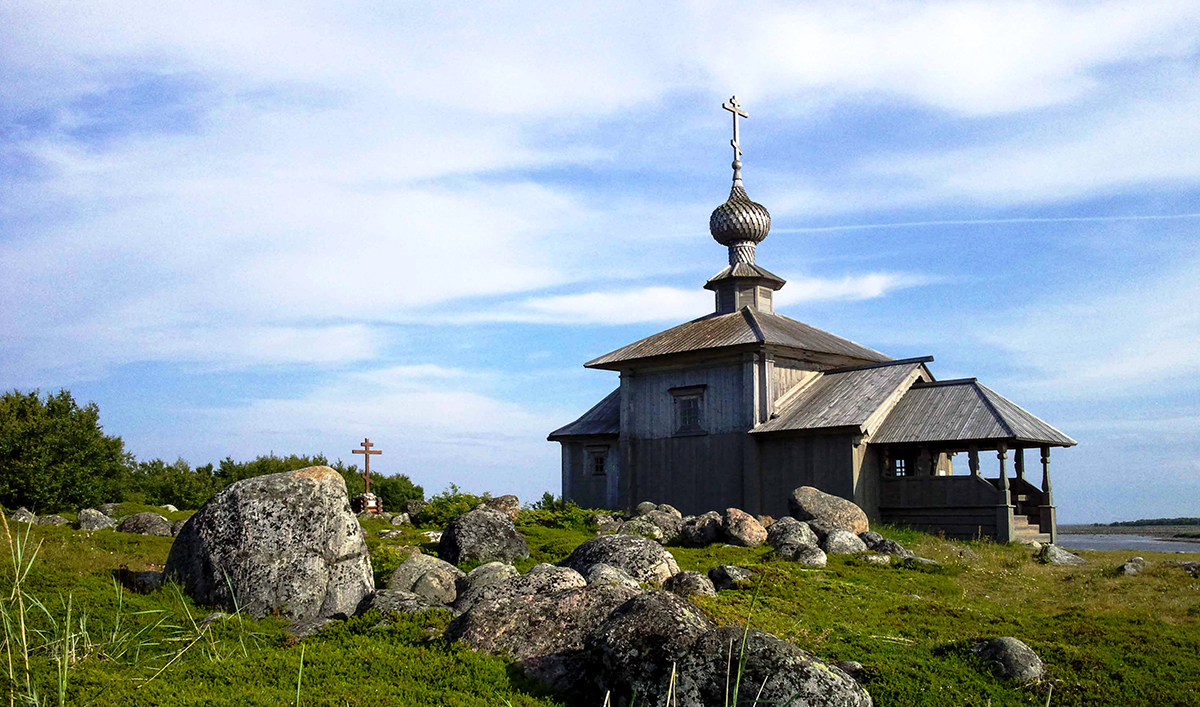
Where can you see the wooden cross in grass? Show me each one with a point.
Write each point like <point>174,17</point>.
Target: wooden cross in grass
<point>366,451</point>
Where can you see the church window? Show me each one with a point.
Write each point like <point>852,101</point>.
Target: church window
<point>689,410</point>
<point>597,461</point>
<point>900,466</point>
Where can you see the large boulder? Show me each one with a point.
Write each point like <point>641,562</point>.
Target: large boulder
<point>787,535</point>
<point>828,511</point>
<point>147,523</point>
<point>842,542</point>
<point>480,535</point>
<point>645,507</point>
<point>485,574</point>
<point>701,531</point>
<point>543,632</point>
<point>280,542</point>
<point>635,647</point>
<point>1010,658</point>
<point>1052,554</point>
<point>775,671</point>
<point>92,519</point>
<point>669,523</point>
<point>642,559</point>
<point>508,504</point>
<point>542,579</point>
<point>434,579</point>
<point>743,529</point>
<point>687,583</point>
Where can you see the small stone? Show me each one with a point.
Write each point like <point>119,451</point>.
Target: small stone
<point>687,583</point>
<point>809,556</point>
<point>23,515</point>
<point>642,527</point>
<point>1191,567</point>
<point>390,533</point>
<point>701,531</point>
<point>386,516</point>
<point>915,561</point>
<point>1010,658</point>
<point>52,520</point>
<point>606,524</point>
<point>91,519</point>
<point>432,536</point>
<point>644,507</point>
<point>386,600</point>
<point>842,542</point>
<point>765,520</point>
<point>399,519</point>
<point>743,529</point>
<point>1132,566</point>
<point>787,534</point>
<point>870,538</point>
<point>1032,544</point>
<point>413,508</point>
<point>853,668</point>
<point>727,576</point>
<point>508,504</point>
<point>668,508</point>
<point>427,576</point>
<point>1052,554</point>
<point>876,559</point>
<point>170,509</point>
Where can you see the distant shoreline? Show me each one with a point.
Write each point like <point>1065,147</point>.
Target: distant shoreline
<point>1162,532</point>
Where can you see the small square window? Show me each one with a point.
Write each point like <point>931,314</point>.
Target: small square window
<point>597,461</point>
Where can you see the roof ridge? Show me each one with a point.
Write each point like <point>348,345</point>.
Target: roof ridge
<point>748,313</point>
<point>881,364</point>
<point>987,401</point>
<point>948,381</point>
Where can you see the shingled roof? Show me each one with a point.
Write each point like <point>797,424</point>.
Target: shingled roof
<point>843,397</point>
<point>744,326</point>
<point>603,419</point>
<point>963,410</point>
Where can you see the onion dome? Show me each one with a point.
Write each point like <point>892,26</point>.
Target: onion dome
<point>739,220</point>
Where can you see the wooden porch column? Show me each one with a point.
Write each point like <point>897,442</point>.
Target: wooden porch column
<point>1004,511</point>
<point>1047,515</point>
<point>923,463</point>
<point>973,460</point>
<point>1019,462</point>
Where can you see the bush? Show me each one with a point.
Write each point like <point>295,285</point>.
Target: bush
<point>157,483</point>
<point>54,455</point>
<point>448,505</point>
<point>553,512</point>
<point>394,492</point>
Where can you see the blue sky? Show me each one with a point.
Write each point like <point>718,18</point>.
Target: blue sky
<point>253,227</point>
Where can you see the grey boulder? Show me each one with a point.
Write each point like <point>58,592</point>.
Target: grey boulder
<point>642,527</point>
<point>701,531</point>
<point>23,515</point>
<point>541,580</point>
<point>281,542</point>
<point>52,520</point>
<point>108,509</point>
<point>669,523</point>
<point>1132,566</point>
<point>642,559</point>
<point>842,542</point>
<point>634,648</point>
<point>1052,554</point>
<point>1010,658</point>
<point>884,546</point>
<point>601,573</point>
<point>687,583</point>
<point>508,504</point>
<point>145,524</point>
<point>784,673</point>
<point>427,576</point>
<point>92,519</point>
<point>399,519</point>
<point>481,535</point>
<point>388,600</point>
<point>644,507</point>
<point>543,632</point>
<point>809,556</point>
<point>830,512</point>
<point>727,576</point>
<point>743,529</point>
<point>787,535</point>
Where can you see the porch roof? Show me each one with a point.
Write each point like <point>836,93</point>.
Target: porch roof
<point>603,419</point>
<point>963,410</point>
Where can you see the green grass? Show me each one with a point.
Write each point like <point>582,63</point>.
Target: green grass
<point>1106,639</point>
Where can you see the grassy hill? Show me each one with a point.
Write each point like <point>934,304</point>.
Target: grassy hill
<point>1106,639</point>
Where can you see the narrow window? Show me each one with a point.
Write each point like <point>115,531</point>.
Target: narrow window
<point>689,410</point>
<point>597,461</point>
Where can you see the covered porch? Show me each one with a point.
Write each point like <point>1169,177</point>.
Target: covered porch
<point>936,424</point>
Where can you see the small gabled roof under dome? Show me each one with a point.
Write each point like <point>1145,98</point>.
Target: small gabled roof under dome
<point>744,326</point>
<point>746,270</point>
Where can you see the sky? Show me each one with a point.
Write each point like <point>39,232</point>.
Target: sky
<point>245,228</point>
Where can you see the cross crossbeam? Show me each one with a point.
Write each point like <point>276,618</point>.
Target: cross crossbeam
<point>366,451</point>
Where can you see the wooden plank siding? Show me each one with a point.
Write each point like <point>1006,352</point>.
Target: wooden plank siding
<point>823,461</point>
<point>960,506</point>
<point>695,474</point>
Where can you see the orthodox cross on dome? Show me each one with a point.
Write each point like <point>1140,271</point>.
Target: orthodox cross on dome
<point>734,107</point>
<point>366,451</point>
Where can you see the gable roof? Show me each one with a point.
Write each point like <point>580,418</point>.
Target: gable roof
<point>843,397</point>
<point>744,326</point>
<point>603,419</point>
<point>961,410</point>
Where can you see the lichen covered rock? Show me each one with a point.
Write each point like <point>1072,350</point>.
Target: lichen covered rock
<point>642,559</point>
<point>481,535</point>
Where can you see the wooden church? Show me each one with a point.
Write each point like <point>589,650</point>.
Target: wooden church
<point>743,405</point>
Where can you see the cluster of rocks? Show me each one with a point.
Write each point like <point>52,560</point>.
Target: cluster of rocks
<point>820,524</point>
<point>103,517</point>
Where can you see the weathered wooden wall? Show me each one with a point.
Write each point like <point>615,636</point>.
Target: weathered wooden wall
<point>961,506</point>
<point>823,461</point>
<point>651,405</point>
<point>695,473</point>
<point>583,487</point>
<point>790,372</point>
